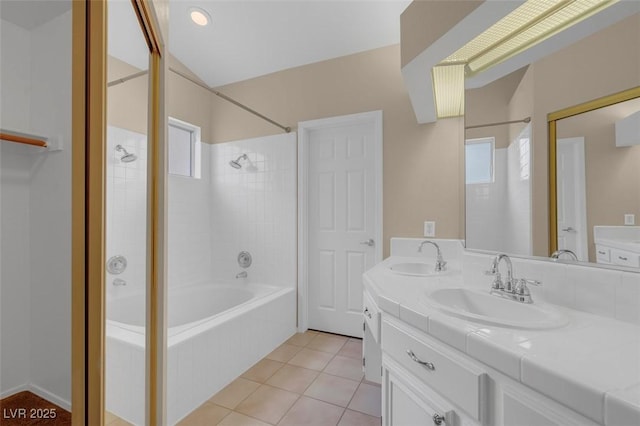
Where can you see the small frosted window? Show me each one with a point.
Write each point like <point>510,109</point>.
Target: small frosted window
<point>479,160</point>
<point>184,149</point>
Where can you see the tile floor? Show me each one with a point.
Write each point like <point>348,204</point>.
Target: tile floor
<point>314,378</point>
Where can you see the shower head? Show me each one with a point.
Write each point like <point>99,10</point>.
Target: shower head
<point>236,163</point>
<point>127,157</point>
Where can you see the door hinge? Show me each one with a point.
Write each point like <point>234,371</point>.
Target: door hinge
<point>364,361</point>
<point>381,370</point>
<point>364,326</point>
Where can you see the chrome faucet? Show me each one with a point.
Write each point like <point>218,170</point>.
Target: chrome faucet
<point>242,274</point>
<point>512,288</point>
<point>556,254</point>
<point>441,265</point>
<point>494,270</point>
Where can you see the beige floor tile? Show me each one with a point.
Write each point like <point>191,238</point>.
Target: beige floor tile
<point>333,389</point>
<point>302,339</point>
<point>234,393</point>
<point>355,418</point>
<point>284,352</point>
<point>109,417</point>
<point>206,415</point>
<point>368,400</point>
<point>237,419</point>
<point>327,343</point>
<point>311,412</point>
<point>292,378</point>
<point>267,403</point>
<point>262,370</point>
<point>309,358</point>
<point>345,367</point>
<point>352,349</point>
<point>119,422</point>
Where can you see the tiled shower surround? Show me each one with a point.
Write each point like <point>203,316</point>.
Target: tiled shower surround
<point>211,220</point>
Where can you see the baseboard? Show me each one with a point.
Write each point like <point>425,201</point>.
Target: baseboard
<point>14,390</point>
<point>42,393</point>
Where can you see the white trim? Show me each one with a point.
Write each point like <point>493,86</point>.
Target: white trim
<point>196,145</point>
<point>37,390</point>
<point>304,128</point>
<point>577,145</point>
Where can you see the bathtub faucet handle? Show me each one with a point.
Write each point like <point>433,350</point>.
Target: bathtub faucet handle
<point>242,274</point>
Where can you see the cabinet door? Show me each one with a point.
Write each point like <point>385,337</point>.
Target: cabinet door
<point>403,405</point>
<point>372,356</point>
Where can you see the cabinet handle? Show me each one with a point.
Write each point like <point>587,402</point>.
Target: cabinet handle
<point>427,364</point>
<point>367,313</point>
<point>438,419</point>
<point>623,258</point>
<point>602,252</point>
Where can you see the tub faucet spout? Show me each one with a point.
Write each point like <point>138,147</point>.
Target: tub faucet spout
<point>242,274</point>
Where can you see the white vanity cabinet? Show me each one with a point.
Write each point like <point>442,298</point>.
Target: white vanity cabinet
<point>371,351</point>
<point>426,382</point>
<point>433,375</point>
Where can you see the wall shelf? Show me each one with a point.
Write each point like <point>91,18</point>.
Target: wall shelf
<point>30,140</point>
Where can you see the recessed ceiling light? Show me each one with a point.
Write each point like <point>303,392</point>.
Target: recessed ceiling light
<point>199,16</point>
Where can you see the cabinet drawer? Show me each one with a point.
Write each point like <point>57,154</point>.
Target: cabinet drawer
<point>603,254</point>
<point>371,315</point>
<point>444,371</point>
<point>625,258</point>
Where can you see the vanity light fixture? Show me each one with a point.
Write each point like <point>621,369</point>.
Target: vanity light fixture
<point>199,16</point>
<point>448,88</point>
<point>531,23</point>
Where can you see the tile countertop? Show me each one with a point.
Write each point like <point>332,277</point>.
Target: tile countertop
<point>592,365</point>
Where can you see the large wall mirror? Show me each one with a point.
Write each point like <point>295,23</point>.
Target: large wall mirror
<point>512,202</point>
<point>594,170</point>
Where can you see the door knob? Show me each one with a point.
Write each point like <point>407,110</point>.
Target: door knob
<point>368,242</point>
<point>568,229</point>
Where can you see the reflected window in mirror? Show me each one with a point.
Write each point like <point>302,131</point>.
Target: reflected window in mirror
<point>480,157</point>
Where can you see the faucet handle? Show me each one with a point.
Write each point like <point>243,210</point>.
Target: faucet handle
<point>521,286</point>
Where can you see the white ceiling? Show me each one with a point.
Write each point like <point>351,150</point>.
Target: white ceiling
<point>252,38</point>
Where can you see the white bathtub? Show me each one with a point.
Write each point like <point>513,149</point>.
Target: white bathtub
<point>215,332</point>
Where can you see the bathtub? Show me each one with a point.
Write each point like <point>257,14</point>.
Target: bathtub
<point>215,332</point>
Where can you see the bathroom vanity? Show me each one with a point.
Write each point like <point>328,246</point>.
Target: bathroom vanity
<point>445,354</point>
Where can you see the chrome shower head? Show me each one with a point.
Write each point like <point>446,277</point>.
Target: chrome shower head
<point>127,157</point>
<point>236,163</point>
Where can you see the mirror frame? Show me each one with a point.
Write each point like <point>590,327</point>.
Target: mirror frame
<point>552,119</point>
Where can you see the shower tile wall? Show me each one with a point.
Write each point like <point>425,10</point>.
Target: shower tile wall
<point>189,215</point>
<point>254,209</point>
<point>126,210</point>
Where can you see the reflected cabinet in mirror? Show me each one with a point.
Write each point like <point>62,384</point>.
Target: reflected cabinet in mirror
<point>594,177</point>
<point>512,202</point>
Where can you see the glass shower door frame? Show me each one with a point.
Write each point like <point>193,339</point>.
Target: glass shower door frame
<point>89,104</point>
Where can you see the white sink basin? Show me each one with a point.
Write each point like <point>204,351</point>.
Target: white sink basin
<point>486,308</point>
<point>416,269</point>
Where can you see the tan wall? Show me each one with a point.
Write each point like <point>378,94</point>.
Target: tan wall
<point>425,21</point>
<point>599,65</point>
<point>422,163</point>
<point>127,102</point>
<point>612,173</point>
<point>187,101</point>
<point>490,104</point>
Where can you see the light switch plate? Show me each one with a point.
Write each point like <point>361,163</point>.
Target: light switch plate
<point>629,219</point>
<point>429,229</point>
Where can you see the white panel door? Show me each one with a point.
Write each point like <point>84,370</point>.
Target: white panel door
<point>571,197</point>
<point>341,194</point>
